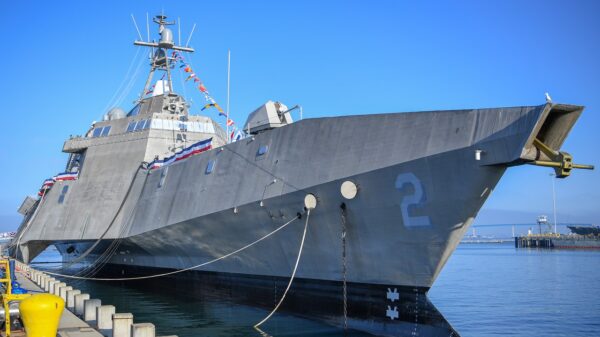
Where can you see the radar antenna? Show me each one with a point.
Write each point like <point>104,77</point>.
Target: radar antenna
<point>161,58</point>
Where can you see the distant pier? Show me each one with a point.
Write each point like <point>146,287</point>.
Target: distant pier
<point>551,241</point>
<point>533,241</point>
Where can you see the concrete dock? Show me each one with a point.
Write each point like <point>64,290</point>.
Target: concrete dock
<point>83,316</point>
<point>70,325</point>
<point>558,241</point>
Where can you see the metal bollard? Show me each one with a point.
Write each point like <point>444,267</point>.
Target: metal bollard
<point>89,310</point>
<point>104,315</point>
<point>79,303</point>
<point>71,298</point>
<point>41,314</point>
<point>121,324</point>
<point>143,330</point>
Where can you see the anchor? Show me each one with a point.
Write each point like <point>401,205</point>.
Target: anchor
<point>562,162</point>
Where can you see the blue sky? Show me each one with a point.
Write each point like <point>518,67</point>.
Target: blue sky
<point>63,62</point>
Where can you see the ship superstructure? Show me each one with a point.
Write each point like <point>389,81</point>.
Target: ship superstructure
<point>391,210</point>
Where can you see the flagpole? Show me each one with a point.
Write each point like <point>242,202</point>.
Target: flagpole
<point>228,76</point>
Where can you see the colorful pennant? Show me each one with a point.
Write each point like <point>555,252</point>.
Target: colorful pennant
<point>187,152</point>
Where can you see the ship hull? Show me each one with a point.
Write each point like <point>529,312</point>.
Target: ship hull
<point>387,241</point>
<point>410,255</point>
<point>421,179</point>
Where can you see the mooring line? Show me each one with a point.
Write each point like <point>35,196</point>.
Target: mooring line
<point>112,222</point>
<point>189,268</point>
<point>291,277</point>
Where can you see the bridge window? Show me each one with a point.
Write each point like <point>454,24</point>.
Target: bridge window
<point>134,111</point>
<point>101,131</point>
<point>140,125</point>
<point>105,131</point>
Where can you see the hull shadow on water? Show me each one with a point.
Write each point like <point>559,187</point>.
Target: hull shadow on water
<point>214,304</point>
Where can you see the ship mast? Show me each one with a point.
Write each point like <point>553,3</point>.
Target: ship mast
<point>160,59</point>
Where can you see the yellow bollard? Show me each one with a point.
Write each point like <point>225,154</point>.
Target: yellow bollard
<point>41,314</point>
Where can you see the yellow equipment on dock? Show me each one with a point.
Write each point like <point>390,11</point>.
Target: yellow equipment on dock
<point>41,314</point>
<point>8,296</point>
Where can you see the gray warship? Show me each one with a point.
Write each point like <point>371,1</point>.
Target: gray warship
<point>394,193</point>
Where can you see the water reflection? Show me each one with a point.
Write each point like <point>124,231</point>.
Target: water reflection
<point>204,306</point>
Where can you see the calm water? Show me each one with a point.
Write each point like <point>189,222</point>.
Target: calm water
<point>497,290</point>
<point>484,290</point>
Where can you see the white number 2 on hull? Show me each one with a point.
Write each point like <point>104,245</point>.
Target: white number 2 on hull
<point>410,200</point>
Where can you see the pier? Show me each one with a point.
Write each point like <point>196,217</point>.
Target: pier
<point>83,316</point>
<point>534,241</point>
<point>557,241</point>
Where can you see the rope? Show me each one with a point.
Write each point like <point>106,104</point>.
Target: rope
<point>291,278</point>
<point>109,252</point>
<point>132,80</point>
<point>186,269</point>
<point>89,250</point>
<point>112,99</point>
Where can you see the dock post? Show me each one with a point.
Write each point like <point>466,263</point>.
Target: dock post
<point>79,303</point>
<point>89,310</point>
<point>62,292</point>
<point>57,286</point>
<point>104,314</point>
<point>71,298</point>
<point>143,330</point>
<point>121,324</point>
<point>49,284</point>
